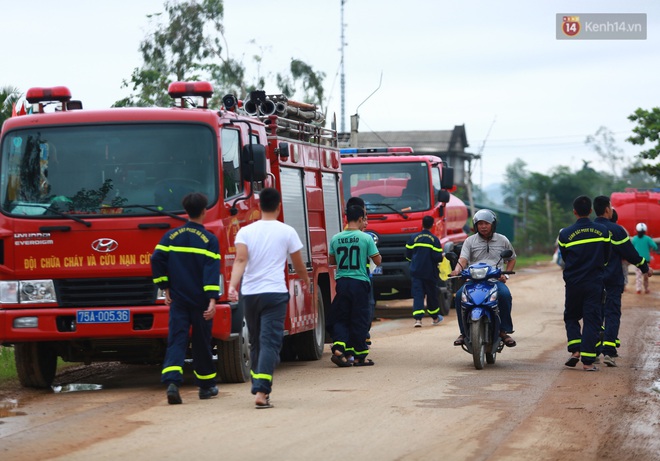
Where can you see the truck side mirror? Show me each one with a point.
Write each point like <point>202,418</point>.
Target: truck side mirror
<point>443,196</point>
<point>253,160</point>
<point>447,181</point>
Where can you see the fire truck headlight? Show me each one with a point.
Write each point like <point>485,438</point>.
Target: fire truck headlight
<point>26,322</point>
<point>8,292</point>
<point>37,291</point>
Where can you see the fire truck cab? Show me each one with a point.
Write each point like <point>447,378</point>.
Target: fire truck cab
<point>400,188</point>
<point>86,195</point>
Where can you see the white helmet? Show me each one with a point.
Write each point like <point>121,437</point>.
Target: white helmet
<point>640,227</point>
<point>485,215</point>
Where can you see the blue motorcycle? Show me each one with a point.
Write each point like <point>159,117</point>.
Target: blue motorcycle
<point>479,311</point>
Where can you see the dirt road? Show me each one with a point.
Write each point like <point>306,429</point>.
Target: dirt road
<point>422,401</point>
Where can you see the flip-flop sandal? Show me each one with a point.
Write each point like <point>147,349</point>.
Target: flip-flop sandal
<point>261,406</point>
<point>459,341</point>
<point>340,361</point>
<point>591,369</point>
<point>572,361</point>
<point>509,341</point>
<point>364,363</point>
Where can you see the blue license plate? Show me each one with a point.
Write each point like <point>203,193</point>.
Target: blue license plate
<point>378,270</point>
<point>103,316</point>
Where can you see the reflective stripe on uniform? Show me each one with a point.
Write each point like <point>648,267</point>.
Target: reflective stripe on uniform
<point>169,369</point>
<point>425,245</point>
<point>200,251</point>
<point>582,242</point>
<point>211,376</point>
<point>261,376</point>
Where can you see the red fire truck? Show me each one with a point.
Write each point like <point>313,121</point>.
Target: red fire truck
<point>400,188</point>
<point>86,195</point>
<point>634,206</point>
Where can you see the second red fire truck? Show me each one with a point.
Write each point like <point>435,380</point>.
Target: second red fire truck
<point>400,188</point>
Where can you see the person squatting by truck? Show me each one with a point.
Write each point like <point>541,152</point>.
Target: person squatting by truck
<point>485,245</point>
<point>585,249</point>
<point>351,315</point>
<point>186,265</point>
<point>622,249</point>
<point>424,252</point>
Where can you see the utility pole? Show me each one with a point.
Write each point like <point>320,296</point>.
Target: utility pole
<point>342,78</point>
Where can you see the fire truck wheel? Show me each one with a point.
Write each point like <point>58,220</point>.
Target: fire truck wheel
<point>233,364</point>
<point>309,345</point>
<point>36,364</point>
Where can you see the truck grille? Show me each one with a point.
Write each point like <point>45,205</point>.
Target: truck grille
<point>392,248</point>
<point>112,292</point>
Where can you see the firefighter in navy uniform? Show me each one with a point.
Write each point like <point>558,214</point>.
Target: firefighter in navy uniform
<point>585,249</point>
<point>424,252</point>
<point>622,249</point>
<point>186,264</point>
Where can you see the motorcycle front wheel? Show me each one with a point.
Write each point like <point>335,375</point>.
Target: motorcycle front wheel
<point>478,339</point>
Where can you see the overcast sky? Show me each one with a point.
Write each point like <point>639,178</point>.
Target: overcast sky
<point>495,66</point>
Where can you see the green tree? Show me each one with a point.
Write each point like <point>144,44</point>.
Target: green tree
<point>604,145</point>
<point>190,44</point>
<point>8,97</point>
<point>647,129</point>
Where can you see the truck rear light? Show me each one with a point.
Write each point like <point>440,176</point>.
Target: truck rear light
<point>26,322</point>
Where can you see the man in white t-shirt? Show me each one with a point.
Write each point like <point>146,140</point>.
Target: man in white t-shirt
<point>262,249</point>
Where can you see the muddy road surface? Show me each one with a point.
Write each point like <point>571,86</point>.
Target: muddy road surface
<point>423,400</point>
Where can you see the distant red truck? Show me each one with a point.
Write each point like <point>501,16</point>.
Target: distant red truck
<point>634,206</point>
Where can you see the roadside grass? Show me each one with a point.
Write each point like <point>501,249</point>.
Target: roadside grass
<point>7,365</point>
<point>523,261</point>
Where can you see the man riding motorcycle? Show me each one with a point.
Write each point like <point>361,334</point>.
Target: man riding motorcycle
<point>485,245</point>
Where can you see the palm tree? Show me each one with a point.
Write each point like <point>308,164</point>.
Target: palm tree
<point>8,97</point>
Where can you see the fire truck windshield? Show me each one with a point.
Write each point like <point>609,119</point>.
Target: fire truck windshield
<point>106,169</point>
<point>387,188</point>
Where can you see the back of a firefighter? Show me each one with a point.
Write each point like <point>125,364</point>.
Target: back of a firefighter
<point>424,252</point>
<point>186,264</point>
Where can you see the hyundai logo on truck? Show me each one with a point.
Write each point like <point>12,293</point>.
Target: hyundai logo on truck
<point>104,245</point>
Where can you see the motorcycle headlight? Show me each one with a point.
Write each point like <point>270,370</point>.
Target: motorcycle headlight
<point>478,273</point>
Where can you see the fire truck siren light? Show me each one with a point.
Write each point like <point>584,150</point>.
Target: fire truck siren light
<point>54,93</point>
<point>376,150</point>
<point>183,89</point>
